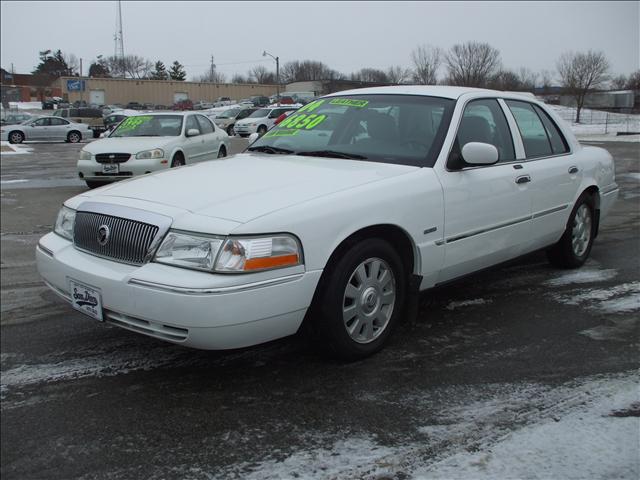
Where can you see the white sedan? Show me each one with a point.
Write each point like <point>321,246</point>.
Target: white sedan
<point>149,142</point>
<point>46,129</point>
<point>335,219</point>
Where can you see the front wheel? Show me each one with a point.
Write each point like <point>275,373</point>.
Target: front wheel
<point>262,129</point>
<point>222,152</point>
<point>573,249</point>
<point>16,137</point>
<point>359,300</point>
<point>230,130</point>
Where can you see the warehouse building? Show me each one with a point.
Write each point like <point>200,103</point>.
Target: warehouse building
<point>105,91</point>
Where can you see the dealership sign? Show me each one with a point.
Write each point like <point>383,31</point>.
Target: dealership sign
<point>75,85</point>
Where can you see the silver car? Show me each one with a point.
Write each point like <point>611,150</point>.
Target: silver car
<point>46,128</point>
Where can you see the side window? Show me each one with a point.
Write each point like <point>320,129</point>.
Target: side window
<point>205,124</point>
<point>74,112</point>
<point>534,136</point>
<point>64,113</point>
<point>484,121</point>
<point>57,121</point>
<point>42,122</point>
<point>275,113</point>
<point>558,143</point>
<point>192,123</point>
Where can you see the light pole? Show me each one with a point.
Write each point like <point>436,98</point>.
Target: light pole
<point>277,59</point>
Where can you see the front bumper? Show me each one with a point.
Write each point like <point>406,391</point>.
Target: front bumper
<point>245,129</point>
<point>92,170</point>
<point>195,309</point>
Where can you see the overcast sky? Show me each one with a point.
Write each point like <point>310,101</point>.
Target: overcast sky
<point>347,36</point>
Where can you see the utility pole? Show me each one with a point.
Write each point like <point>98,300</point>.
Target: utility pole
<point>213,68</point>
<point>119,39</point>
<point>81,85</point>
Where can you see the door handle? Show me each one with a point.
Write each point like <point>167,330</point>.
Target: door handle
<point>573,170</point>
<point>523,179</point>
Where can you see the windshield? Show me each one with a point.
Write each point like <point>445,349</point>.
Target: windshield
<point>229,113</point>
<point>400,129</point>
<point>260,113</point>
<point>150,126</point>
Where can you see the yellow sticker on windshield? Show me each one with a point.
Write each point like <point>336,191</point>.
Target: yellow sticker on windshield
<point>310,107</point>
<point>281,133</point>
<point>349,102</point>
<point>302,121</point>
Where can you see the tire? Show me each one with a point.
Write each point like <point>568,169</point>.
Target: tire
<point>16,137</point>
<point>178,161</point>
<point>93,184</point>
<point>222,152</point>
<point>573,248</point>
<point>359,300</point>
<point>262,129</point>
<point>74,137</point>
<point>96,133</point>
<point>230,131</point>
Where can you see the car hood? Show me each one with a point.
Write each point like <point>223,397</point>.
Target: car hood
<point>127,144</point>
<point>248,186</point>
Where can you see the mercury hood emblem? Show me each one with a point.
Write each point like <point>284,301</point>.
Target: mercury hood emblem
<point>103,235</point>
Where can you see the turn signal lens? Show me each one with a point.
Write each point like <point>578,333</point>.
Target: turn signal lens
<point>259,253</point>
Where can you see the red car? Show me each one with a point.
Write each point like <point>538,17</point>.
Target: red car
<point>183,105</point>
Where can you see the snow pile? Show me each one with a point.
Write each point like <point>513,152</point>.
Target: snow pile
<point>13,149</point>
<point>622,298</point>
<point>25,105</point>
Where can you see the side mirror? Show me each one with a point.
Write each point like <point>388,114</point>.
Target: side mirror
<point>253,137</point>
<point>477,153</point>
<point>192,132</point>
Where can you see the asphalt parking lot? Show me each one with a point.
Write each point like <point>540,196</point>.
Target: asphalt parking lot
<point>499,352</point>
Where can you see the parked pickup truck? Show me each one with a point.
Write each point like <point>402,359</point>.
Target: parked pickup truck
<point>90,116</point>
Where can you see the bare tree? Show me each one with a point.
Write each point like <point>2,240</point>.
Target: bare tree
<point>398,74</point>
<point>619,82</point>
<point>131,66</point>
<point>546,80</point>
<point>472,64</point>
<point>307,70</point>
<point>580,73</point>
<point>371,75</point>
<point>505,80</point>
<point>239,78</point>
<point>260,74</point>
<point>426,62</point>
<point>528,78</point>
<point>633,82</point>
<point>72,62</point>
<point>211,76</point>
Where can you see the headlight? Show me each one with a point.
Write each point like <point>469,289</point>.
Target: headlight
<point>231,255</point>
<point>155,153</point>
<point>258,253</point>
<point>84,155</point>
<point>189,250</point>
<point>65,222</point>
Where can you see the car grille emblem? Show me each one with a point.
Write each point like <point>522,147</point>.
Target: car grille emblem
<point>103,235</point>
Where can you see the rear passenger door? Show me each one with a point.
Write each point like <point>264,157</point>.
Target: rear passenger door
<point>555,174</point>
<point>58,128</point>
<point>211,137</point>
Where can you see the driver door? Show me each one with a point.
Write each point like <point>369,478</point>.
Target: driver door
<point>38,130</point>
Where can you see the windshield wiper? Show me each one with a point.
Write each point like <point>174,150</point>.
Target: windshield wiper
<point>268,149</point>
<point>332,154</point>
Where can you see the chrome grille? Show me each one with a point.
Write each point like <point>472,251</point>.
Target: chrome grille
<point>129,240</point>
<point>112,157</point>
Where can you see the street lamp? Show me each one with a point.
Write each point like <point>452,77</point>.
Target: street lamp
<point>277,59</point>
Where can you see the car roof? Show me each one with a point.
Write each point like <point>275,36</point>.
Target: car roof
<point>427,90</point>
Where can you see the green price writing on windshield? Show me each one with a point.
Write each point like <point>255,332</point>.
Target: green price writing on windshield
<point>132,123</point>
<point>302,121</point>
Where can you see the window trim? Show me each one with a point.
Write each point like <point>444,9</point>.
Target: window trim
<point>553,155</point>
<point>515,143</point>
<point>548,117</point>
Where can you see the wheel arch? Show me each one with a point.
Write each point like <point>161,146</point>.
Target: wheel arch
<point>396,236</point>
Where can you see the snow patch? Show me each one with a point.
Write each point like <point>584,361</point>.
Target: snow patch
<point>585,442</point>
<point>467,303</point>
<point>582,276</point>
<point>25,105</point>
<point>634,176</point>
<point>14,149</point>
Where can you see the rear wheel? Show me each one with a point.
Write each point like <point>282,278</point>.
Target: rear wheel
<point>16,137</point>
<point>359,300</point>
<point>573,249</point>
<point>262,129</point>
<point>74,137</point>
<point>222,152</point>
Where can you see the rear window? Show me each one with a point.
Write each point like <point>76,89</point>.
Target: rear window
<point>534,135</point>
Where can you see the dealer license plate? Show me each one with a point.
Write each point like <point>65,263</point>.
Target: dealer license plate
<point>110,168</point>
<point>86,299</point>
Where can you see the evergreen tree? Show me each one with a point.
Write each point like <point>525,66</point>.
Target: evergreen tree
<point>177,72</point>
<point>53,65</point>
<point>159,72</point>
